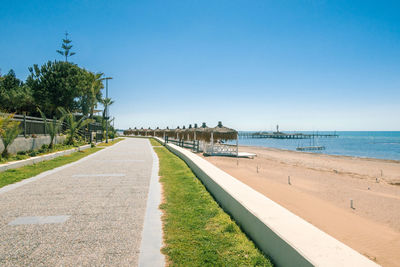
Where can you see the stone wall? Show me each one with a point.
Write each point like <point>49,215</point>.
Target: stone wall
<point>26,144</point>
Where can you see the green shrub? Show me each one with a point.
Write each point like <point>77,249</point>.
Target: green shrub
<point>33,153</point>
<point>19,157</point>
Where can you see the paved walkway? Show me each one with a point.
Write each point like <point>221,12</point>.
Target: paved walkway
<point>90,213</point>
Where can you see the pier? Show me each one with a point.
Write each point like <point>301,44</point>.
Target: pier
<point>281,135</point>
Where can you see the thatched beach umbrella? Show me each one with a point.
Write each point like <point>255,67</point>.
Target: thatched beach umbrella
<point>170,133</point>
<point>142,132</point>
<point>176,132</point>
<point>190,132</point>
<point>203,133</point>
<point>149,132</point>
<point>193,132</point>
<point>181,133</point>
<point>221,132</point>
<point>158,132</point>
<point>161,133</point>
<point>164,132</point>
<point>128,132</point>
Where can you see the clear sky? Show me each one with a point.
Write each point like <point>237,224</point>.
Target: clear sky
<point>305,65</point>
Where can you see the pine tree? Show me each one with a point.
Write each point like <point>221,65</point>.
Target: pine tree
<point>66,46</point>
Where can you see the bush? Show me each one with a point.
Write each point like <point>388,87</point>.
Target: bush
<point>19,156</point>
<point>44,148</point>
<point>33,153</point>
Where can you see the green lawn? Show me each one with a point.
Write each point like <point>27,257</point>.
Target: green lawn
<point>38,152</point>
<point>197,232</point>
<point>110,142</point>
<point>154,142</point>
<point>15,175</point>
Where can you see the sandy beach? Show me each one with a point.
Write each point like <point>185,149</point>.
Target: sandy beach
<point>320,192</point>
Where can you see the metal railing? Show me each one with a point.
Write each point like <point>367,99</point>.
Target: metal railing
<point>194,145</point>
<point>31,126</point>
<point>221,149</point>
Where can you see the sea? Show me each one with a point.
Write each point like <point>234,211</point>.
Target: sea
<point>374,144</point>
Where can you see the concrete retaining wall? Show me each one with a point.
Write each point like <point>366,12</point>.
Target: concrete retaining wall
<point>26,144</point>
<point>280,234</point>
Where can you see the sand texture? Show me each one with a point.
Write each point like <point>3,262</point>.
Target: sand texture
<point>320,192</point>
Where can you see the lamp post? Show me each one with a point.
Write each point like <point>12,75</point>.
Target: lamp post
<point>107,78</point>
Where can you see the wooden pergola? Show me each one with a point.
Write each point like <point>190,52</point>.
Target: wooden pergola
<point>222,133</point>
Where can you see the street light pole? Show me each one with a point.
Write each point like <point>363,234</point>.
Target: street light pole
<point>107,78</point>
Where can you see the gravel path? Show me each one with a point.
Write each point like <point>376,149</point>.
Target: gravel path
<point>98,206</point>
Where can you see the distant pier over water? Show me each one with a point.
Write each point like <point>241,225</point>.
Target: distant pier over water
<point>281,135</point>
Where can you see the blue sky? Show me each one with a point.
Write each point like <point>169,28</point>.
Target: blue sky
<point>305,65</point>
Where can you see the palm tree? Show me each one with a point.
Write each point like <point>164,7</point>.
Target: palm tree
<point>74,126</point>
<point>95,90</point>
<point>91,94</point>
<point>9,131</point>
<point>106,102</point>
<point>52,128</point>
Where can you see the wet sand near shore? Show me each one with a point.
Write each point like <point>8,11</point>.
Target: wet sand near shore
<point>320,192</point>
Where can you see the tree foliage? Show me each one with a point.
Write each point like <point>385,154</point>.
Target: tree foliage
<point>66,48</point>
<point>91,93</point>
<point>56,84</point>
<point>15,96</point>
<point>52,85</point>
<point>106,102</point>
<point>54,89</point>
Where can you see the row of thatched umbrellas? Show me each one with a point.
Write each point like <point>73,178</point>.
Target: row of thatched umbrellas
<point>202,133</point>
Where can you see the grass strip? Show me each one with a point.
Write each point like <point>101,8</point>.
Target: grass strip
<point>154,142</point>
<point>197,232</point>
<point>15,175</point>
<point>44,150</point>
<point>110,143</point>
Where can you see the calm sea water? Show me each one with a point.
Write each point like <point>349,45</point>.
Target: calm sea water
<point>381,145</point>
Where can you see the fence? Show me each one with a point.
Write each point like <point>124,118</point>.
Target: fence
<point>194,145</point>
<point>221,150</point>
<point>35,126</point>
